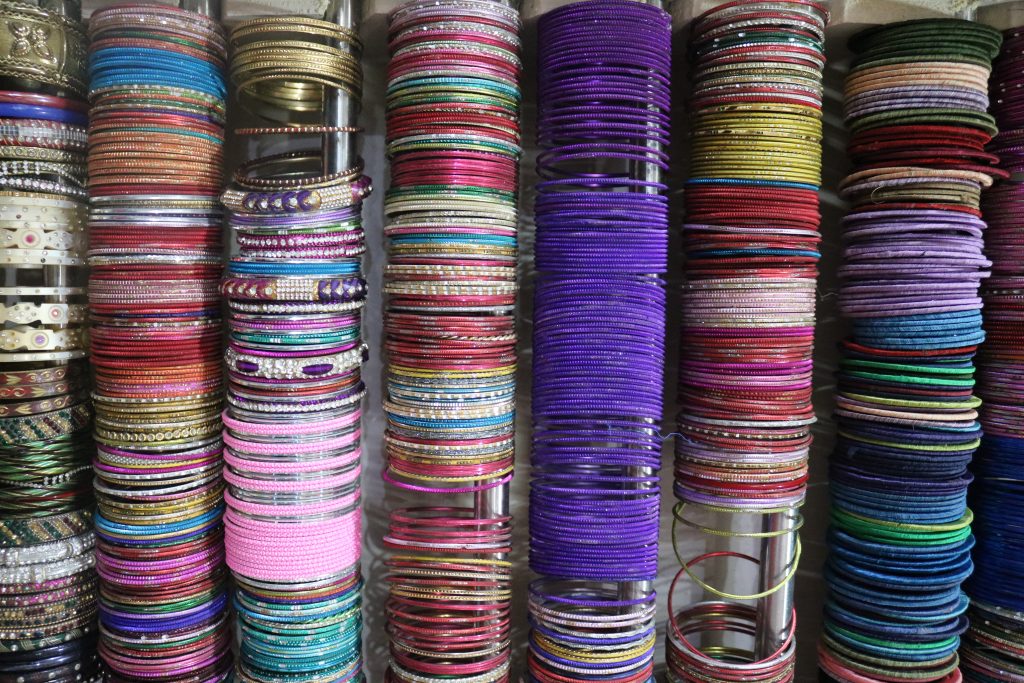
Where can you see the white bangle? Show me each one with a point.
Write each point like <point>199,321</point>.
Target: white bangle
<point>39,257</point>
<point>40,573</point>
<point>28,338</point>
<point>34,238</point>
<point>47,553</point>
<point>48,314</point>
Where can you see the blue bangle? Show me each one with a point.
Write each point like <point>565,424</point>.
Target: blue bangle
<point>32,111</point>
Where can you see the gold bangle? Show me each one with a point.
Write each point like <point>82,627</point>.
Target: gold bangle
<point>26,153</point>
<point>294,24</point>
<point>42,46</point>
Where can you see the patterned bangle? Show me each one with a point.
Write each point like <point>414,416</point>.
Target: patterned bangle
<point>31,238</point>
<point>39,257</point>
<point>42,46</point>
<point>37,153</point>
<point>49,314</point>
<point>294,289</point>
<point>295,368</point>
<point>41,211</point>
<point>296,200</point>
<point>16,430</point>
<point>24,531</point>
<point>27,338</point>
<point>47,552</point>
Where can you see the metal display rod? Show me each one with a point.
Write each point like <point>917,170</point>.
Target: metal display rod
<point>775,611</point>
<point>339,149</point>
<point>209,8</point>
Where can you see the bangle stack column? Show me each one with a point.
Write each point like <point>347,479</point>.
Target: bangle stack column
<point>453,140</point>
<point>993,647</point>
<point>900,539</point>
<point>47,582</point>
<point>751,240</point>
<point>599,339</point>
<point>156,131</point>
<point>295,294</point>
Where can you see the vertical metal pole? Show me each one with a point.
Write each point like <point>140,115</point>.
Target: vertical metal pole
<point>208,8</point>
<point>339,149</point>
<point>635,590</point>
<point>72,9</point>
<point>775,611</point>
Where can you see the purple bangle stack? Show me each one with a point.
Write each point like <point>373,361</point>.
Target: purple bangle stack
<point>599,315</point>
<point>900,539</point>
<point>993,647</point>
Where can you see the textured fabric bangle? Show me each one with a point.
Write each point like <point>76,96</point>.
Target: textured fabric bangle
<point>993,646</point>
<point>912,264</point>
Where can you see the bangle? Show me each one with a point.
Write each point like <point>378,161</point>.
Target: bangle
<point>47,552</point>
<point>28,238</point>
<point>243,174</point>
<point>45,186</point>
<point>27,338</point>
<point>38,211</point>
<point>44,427</point>
<point>25,313</point>
<point>41,357</point>
<point>291,201</point>
<point>25,378</point>
<point>17,532</point>
<point>13,576</point>
<point>294,368</point>
<point>27,43</point>
<point>57,292</point>
<point>21,167</point>
<point>42,133</point>
<point>294,289</point>
<point>33,153</point>
<point>298,130</point>
<point>39,257</point>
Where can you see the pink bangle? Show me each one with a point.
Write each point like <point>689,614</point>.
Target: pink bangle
<point>287,467</point>
<point>307,510</point>
<point>259,448</point>
<point>288,429</point>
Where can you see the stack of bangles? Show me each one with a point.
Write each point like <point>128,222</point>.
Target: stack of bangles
<point>900,537</point>
<point>751,241</point>
<point>155,153</point>
<point>454,144</point>
<point>599,339</point>
<point>48,609</point>
<point>295,294</point>
<point>993,646</point>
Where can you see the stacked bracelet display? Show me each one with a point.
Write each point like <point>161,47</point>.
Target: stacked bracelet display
<point>599,339</point>
<point>295,294</point>
<point>48,606</point>
<point>993,646</point>
<point>900,540</point>
<point>156,130</point>
<point>751,238</point>
<point>454,145</point>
